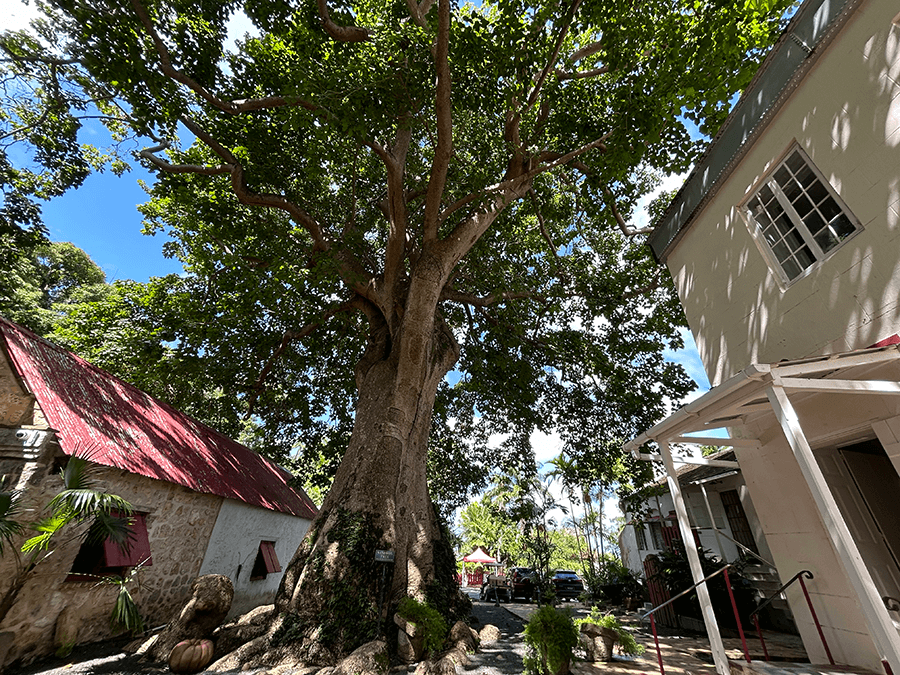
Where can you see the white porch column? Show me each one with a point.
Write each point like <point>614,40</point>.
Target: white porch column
<point>878,621</point>
<point>690,548</point>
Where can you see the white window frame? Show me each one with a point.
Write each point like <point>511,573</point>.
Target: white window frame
<point>640,536</point>
<point>797,223</point>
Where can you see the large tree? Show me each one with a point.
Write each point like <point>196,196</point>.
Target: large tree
<point>435,189</point>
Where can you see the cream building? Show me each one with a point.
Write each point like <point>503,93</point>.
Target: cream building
<point>784,245</point>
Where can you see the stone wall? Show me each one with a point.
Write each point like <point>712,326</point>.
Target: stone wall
<point>179,524</point>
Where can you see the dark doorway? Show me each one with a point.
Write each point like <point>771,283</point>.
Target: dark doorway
<point>737,519</point>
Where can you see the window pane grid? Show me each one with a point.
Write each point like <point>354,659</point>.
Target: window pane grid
<point>798,217</point>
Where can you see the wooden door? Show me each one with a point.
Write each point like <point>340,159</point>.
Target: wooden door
<point>858,514</point>
<point>737,519</point>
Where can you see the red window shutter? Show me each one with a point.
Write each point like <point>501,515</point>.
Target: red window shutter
<point>267,548</point>
<point>137,550</point>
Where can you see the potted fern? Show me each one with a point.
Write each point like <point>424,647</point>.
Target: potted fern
<point>550,640</point>
<point>599,633</point>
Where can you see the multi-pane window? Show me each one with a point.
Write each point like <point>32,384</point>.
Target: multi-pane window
<point>657,535</point>
<point>640,535</point>
<point>798,215</point>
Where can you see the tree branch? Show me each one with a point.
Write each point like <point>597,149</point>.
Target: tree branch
<point>232,107</point>
<point>486,300</point>
<point>150,156</point>
<point>444,148</point>
<point>250,198</point>
<point>644,290</point>
<point>340,33</point>
<point>532,99</point>
<point>587,50</point>
<point>286,340</point>
<point>543,226</point>
<point>556,159</point>
<point>395,162</point>
<point>581,74</point>
<point>416,13</point>
<point>627,231</point>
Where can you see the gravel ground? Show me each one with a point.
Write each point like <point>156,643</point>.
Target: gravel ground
<point>504,656</point>
<point>106,658</point>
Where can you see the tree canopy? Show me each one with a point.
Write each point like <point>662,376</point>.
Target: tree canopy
<point>405,218</point>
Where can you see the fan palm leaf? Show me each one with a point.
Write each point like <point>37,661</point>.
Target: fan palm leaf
<point>9,512</point>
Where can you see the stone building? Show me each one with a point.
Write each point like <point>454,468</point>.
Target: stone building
<point>203,502</point>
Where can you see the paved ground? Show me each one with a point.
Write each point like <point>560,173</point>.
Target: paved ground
<point>682,655</point>
<point>503,657</point>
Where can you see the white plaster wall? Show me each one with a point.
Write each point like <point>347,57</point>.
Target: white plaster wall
<point>631,557</point>
<point>797,540</point>
<point>234,544</point>
<point>699,517</point>
<point>846,116</point>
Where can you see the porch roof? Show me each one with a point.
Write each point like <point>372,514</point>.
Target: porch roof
<point>744,394</point>
<point>762,389</point>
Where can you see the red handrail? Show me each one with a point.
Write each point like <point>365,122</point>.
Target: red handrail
<point>721,570</point>
<point>797,577</point>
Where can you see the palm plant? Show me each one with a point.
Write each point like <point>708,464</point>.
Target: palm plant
<point>79,503</point>
<point>10,527</point>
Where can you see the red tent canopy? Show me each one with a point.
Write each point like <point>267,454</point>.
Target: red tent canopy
<point>479,556</point>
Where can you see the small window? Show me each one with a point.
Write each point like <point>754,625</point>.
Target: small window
<point>266,561</point>
<point>107,558</point>
<point>657,535</point>
<point>797,217</point>
<point>640,535</point>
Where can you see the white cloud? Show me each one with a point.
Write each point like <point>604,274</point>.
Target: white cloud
<point>17,15</point>
<point>238,26</point>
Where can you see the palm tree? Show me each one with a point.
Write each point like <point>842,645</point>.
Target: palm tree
<point>566,470</point>
<point>80,502</point>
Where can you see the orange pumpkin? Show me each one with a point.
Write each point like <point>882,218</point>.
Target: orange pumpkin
<point>191,656</point>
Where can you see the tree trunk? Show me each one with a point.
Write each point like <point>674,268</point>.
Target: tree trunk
<point>331,590</point>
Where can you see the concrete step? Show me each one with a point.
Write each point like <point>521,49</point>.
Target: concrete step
<point>763,668</point>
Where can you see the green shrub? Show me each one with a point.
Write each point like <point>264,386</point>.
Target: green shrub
<point>627,643</point>
<point>426,618</point>
<point>550,639</point>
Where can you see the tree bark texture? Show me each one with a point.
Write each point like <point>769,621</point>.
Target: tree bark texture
<point>332,588</point>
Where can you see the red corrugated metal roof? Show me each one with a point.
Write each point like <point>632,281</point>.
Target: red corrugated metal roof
<point>132,431</point>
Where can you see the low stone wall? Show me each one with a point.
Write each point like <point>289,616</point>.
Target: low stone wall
<point>179,524</point>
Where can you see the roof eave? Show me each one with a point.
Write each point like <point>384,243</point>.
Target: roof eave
<point>811,29</point>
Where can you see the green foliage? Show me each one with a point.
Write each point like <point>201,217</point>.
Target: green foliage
<point>613,581</point>
<point>334,203</point>
<point>560,319</point>
<point>81,502</point>
<point>10,511</point>
<point>426,618</point>
<point>44,282</point>
<point>550,640</point>
<point>125,615</point>
<point>627,643</point>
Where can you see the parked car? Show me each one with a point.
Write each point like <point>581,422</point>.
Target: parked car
<point>568,584</point>
<point>521,581</point>
<point>495,587</point>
